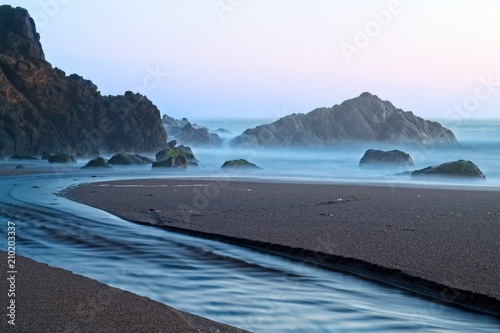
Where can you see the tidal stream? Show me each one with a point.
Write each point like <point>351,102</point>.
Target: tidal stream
<point>227,283</point>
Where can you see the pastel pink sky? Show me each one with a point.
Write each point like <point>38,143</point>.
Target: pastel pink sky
<point>262,58</point>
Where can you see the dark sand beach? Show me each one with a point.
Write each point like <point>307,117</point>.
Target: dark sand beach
<point>50,299</point>
<point>439,242</point>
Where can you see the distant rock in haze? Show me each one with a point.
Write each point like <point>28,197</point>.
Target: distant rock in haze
<point>366,118</point>
<point>460,168</point>
<point>43,110</point>
<point>189,134</point>
<point>223,131</point>
<point>374,157</point>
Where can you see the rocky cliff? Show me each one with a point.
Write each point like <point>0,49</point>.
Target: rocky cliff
<point>186,133</point>
<point>366,118</point>
<point>43,109</point>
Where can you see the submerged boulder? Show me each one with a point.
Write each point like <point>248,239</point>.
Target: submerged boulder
<point>179,162</point>
<point>181,150</point>
<point>374,157</point>
<point>125,159</point>
<point>237,164</point>
<point>98,162</point>
<point>460,168</point>
<point>62,158</point>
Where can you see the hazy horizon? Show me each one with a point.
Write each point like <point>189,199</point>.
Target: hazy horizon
<point>256,59</point>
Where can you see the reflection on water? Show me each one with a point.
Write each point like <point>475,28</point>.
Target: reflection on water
<point>234,285</point>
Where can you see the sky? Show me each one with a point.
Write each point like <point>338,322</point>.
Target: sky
<point>267,58</point>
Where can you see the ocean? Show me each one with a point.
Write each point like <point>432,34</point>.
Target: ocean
<point>479,142</point>
<point>228,283</point>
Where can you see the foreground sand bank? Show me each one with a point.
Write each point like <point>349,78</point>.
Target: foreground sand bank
<point>443,243</point>
<point>50,299</point>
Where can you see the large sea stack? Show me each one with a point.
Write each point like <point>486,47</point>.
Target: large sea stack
<point>43,109</point>
<point>366,118</point>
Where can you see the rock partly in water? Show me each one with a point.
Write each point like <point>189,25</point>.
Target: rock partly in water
<point>42,109</point>
<point>239,164</point>
<point>398,158</point>
<point>178,162</point>
<point>366,118</point>
<point>181,150</point>
<point>22,157</point>
<point>98,162</point>
<point>62,158</point>
<point>145,159</point>
<point>190,134</point>
<point>125,159</point>
<point>460,168</point>
<point>19,167</point>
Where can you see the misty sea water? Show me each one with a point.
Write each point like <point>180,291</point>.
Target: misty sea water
<point>479,142</point>
<point>236,285</point>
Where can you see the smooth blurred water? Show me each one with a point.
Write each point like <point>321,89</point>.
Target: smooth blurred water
<point>479,142</point>
<point>227,283</point>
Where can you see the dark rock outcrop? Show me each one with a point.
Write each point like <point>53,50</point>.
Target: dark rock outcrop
<point>42,109</point>
<point>19,167</point>
<point>366,118</point>
<point>62,158</point>
<point>460,168</point>
<point>190,134</point>
<point>181,150</point>
<point>172,144</point>
<point>373,157</point>
<point>144,159</point>
<point>179,162</point>
<point>18,36</point>
<point>98,162</point>
<point>125,159</point>
<point>239,164</point>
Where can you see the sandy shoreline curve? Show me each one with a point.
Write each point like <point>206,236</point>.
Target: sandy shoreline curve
<point>437,242</point>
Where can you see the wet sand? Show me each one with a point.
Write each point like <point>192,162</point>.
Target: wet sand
<point>438,242</point>
<point>49,299</point>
